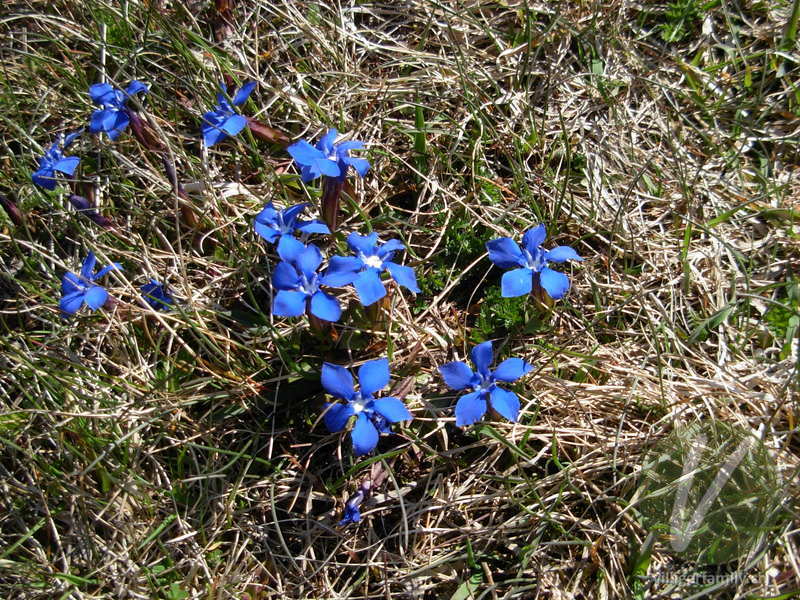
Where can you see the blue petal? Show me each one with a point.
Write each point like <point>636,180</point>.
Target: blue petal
<point>234,124</point>
<point>351,515</point>
<point>135,86</point>
<point>106,269</point>
<point>87,268</point>
<point>373,376</point>
<point>290,248</point>
<point>326,167</point>
<point>71,283</point>
<point>212,134</point>
<point>95,297</point>
<point>511,369</point>
<point>71,303</point>
<point>103,120</point>
<point>369,287</point>
<point>361,165</point>
<point>482,357</point>
<point>505,253</point>
<point>314,226</point>
<point>325,307</point>
<point>71,137</point>
<point>309,260</point>
<point>212,137</point>
<point>389,248</point>
<point>470,408</point>
<point>67,165</point>
<point>243,93</point>
<point>336,415</point>
<point>156,295</point>
<point>380,422</point>
<point>102,93</point>
<point>337,381</point>
<point>45,178</point>
<point>268,215</point>
<point>342,270</point>
<point>343,147</point>
<point>556,284</point>
<point>290,214</point>
<point>516,283</point>
<point>115,133</point>
<point>560,254</point>
<point>365,436</point>
<point>533,238</point>
<point>403,275</point>
<point>307,173</point>
<point>285,277</point>
<point>504,402</point>
<point>266,231</point>
<point>121,121</point>
<point>325,144</point>
<point>392,409</point>
<point>366,244</point>
<point>289,304</point>
<point>457,375</point>
<point>304,153</point>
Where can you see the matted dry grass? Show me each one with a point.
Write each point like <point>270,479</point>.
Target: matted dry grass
<point>183,455</point>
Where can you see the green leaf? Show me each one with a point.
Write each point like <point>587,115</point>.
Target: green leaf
<point>176,592</point>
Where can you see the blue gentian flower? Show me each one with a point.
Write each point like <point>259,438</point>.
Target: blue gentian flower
<point>54,160</point>
<point>271,223</point>
<point>112,117</point>
<point>351,512</point>
<point>224,121</point>
<point>298,282</point>
<point>471,407</point>
<point>373,415</point>
<point>528,261</point>
<point>351,515</point>
<point>327,158</point>
<point>157,295</point>
<point>372,259</point>
<point>77,290</point>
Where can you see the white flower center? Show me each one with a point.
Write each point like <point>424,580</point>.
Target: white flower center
<point>358,406</point>
<point>535,261</point>
<point>373,261</point>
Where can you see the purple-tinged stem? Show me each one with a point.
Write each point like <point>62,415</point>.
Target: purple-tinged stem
<point>11,208</point>
<point>331,193</point>
<point>143,132</point>
<point>83,206</point>
<point>188,214</point>
<point>267,133</point>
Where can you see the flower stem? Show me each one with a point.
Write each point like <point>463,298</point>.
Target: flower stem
<point>266,133</point>
<point>188,214</point>
<point>11,208</point>
<point>331,191</point>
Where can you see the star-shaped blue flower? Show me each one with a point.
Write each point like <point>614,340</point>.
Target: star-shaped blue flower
<point>157,295</point>
<point>327,157</point>
<point>528,261</point>
<point>112,117</point>
<point>54,160</point>
<point>370,260</point>
<point>298,282</point>
<point>373,415</point>
<point>77,290</point>
<point>471,407</point>
<point>271,224</point>
<point>224,121</point>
